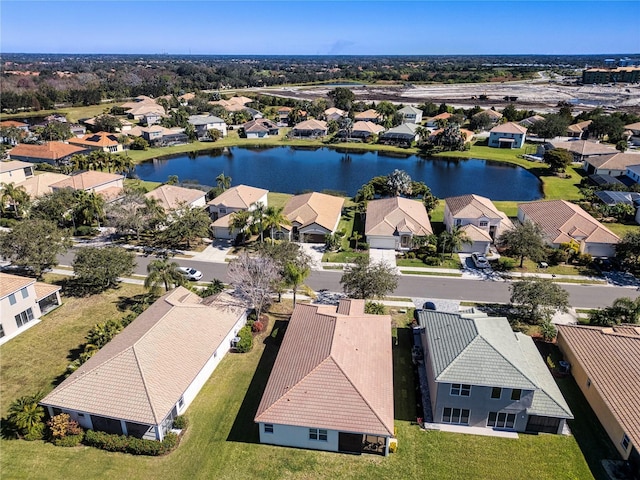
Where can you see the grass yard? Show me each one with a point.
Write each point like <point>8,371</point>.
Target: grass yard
<point>73,114</point>
<point>146,184</point>
<point>621,229</point>
<point>277,199</point>
<point>447,262</point>
<point>345,256</point>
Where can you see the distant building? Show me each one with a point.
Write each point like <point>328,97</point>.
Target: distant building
<point>611,75</point>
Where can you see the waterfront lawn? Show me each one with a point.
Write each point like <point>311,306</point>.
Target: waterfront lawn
<point>621,229</point>
<point>146,184</point>
<point>73,114</point>
<point>555,187</point>
<point>275,199</point>
<point>221,441</point>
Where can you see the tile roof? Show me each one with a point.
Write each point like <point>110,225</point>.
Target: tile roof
<point>479,350</point>
<point>99,139</point>
<point>172,197</point>
<point>87,180</point>
<point>585,147</point>
<point>43,290</point>
<point>388,216</point>
<point>616,161</point>
<point>11,165</point>
<point>13,123</point>
<point>47,151</point>
<point>40,184</point>
<point>204,119</point>
<point>404,129</point>
<point>492,114</point>
<point>12,283</point>
<point>579,127</point>
<point>411,110</point>
<point>472,206</point>
<point>334,110</point>
<point>633,126</point>
<point>562,221</point>
<point>441,116</point>
<point>314,207</point>
<point>369,127</point>
<point>509,127</point>
<point>611,359</point>
<point>259,125</point>
<point>476,234</point>
<point>312,124</point>
<point>240,197</point>
<point>371,113</point>
<point>140,375</point>
<point>334,370</point>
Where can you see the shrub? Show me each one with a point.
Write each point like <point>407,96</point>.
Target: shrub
<point>8,222</point>
<point>36,432</point>
<point>548,331</point>
<point>257,326</point>
<point>25,417</point>
<point>431,261</point>
<point>62,425</point>
<point>85,231</point>
<point>374,308</point>
<point>411,255</point>
<point>583,259</point>
<point>180,422</point>
<point>505,264</point>
<point>69,440</point>
<point>246,340</point>
<point>274,333</point>
<point>132,445</point>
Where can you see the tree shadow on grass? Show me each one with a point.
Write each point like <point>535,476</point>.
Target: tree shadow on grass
<point>244,429</point>
<point>406,392</point>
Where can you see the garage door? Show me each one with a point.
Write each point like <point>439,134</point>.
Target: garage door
<point>314,238</point>
<point>386,243</point>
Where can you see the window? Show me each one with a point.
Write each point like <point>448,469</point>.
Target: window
<point>458,222</point>
<point>625,442</point>
<point>24,292</point>
<point>516,393</point>
<point>222,211</point>
<point>496,392</point>
<point>318,434</point>
<point>1,331</point>
<point>460,390</point>
<point>459,416</point>
<point>24,317</point>
<point>484,223</point>
<point>12,299</point>
<point>268,428</point>
<point>181,402</point>
<point>501,420</point>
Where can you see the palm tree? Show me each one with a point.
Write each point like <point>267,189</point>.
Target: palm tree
<point>223,181</point>
<point>458,237</point>
<point>295,275</point>
<point>80,162</point>
<point>13,195</point>
<point>356,237</point>
<point>25,413</point>
<point>162,271</point>
<point>89,206</point>
<point>258,218</point>
<point>399,183</point>
<point>274,217</point>
<point>241,221</point>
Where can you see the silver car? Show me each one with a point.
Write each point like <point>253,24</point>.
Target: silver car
<point>479,260</point>
<point>190,273</point>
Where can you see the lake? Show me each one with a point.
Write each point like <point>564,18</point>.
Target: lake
<point>294,169</point>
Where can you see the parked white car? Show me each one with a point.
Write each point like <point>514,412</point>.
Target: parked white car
<point>479,260</point>
<point>190,273</point>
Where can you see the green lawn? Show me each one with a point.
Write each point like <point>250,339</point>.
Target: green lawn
<point>277,199</point>
<point>146,184</point>
<point>345,256</point>
<point>621,229</point>
<point>447,262</point>
<point>73,114</point>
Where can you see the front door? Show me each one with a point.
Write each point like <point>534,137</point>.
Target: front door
<point>350,442</point>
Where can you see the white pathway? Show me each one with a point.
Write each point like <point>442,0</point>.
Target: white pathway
<point>385,255</point>
<point>315,251</point>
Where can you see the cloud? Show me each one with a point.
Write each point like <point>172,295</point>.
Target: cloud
<point>339,46</point>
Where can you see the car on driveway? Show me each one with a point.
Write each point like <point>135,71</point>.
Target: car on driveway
<point>479,260</point>
<point>190,273</point>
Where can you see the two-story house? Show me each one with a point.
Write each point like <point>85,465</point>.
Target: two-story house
<point>482,374</point>
<point>204,123</point>
<point>22,302</point>
<point>15,171</point>
<point>411,114</point>
<point>234,199</point>
<point>508,135</point>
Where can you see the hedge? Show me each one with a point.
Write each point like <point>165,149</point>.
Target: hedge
<point>132,445</point>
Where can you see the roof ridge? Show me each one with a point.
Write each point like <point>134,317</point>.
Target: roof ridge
<point>527,376</point>
<point>144,383</point>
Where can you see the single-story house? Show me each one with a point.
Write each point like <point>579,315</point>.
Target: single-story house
<point>204,123</point>
<point>507,135</point>
<point>467,135</point>
<point>23,130</point>
<point>493,115</point>
<point>633,172</point>
<point>54,153</point>
<point>313,216</point>
<point>107,142</point>
<point>366,129</point>
<point>139,100</point>
<point>605,363</point>
<point>260,128</point>
<point>527,122</point>
<point>331,386</point>
<point>334,113</point>
<point>151,371</point>
<point>633,133</point>
<point>411,115</point>
<point>578,130</point>
<point>108,185</point>
<point>141,109</point>
<point>22,302</point>
<point>15,171</point>
<point>368,116</point>
<point>434,122</point>
<point>583,149</point>
<point>393,223</point>
<point>482,374</point>
<point>172,197</point>
<point>614,165</point>
<point>310,128</point>
<point>282,115</point>
<point>40,184</point>
<point>564,222</point>
<point>404,134</point>
<point>478,217</point>
<point>234,199</point>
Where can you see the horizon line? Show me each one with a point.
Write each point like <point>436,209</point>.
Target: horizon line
<point>166,54</point>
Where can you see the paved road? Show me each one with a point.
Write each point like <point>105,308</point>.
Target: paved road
<point>580,296</point>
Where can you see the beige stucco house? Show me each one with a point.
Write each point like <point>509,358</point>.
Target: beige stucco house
<point>313,216</point>
<point>394,223</point>
<point>234,199</point>
<point>172,197</point>
<point>109,185</point>
<point>15,171</point>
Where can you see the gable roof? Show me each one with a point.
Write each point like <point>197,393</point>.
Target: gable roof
<point>611,359</point>
<point>472,206</point>
<point>562,221</point>
<point>240,197</point>
<point>87,180</point>
<point>387,216</point>
<point>140,375</point>
<point>509,127</point>
<point>616,161</point>
<point>47,151</point>
<point>13,165</point>
<point>334,110</point>
<point>402,130</point>
<point>585,147</point>
<point>579,127</point>
<point>13,283</point>
<point>410,110</point>
<point>371,113</point>
<point>334,370</point>
<point>314,207</point>
<point>476,234</point>
<point>479,350</point>
<point>38,185</point>
<point>172,196</point>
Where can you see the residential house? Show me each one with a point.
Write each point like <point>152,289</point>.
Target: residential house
<point>482,374</point>
<point>368,116</point>
<point>434,122</point>
<point>186,98</point>
<point>21,126</point>
<point>632,133</point>
<point>605,361</point>
<point>394,223</point>
<point>494,116</point>
<point>564,222</point>
<point>234,199</point>
<point>139,100</point>
<point>507,135</point>
<point>478,218</point>
<point>583,149</point>
<point>335,114</point>
<point>152,117</point>
<point>364,130</point>
<point>22,302</point>
<point>411,115</point>
<point>282,116</point>
<point>157,135</point>
<point>260,128</point>
<point>467,135</point>
<point>40,184</point>
<point>633,172</point>
<point>313,216</point>
<point>402,135</point>
<point>614,165</point>
<point>331,386</point>
<point>78,130</point>
<point>310,128</point>
<point>204,123</point>
<point>54,153</point>
<point>107,142</point>
<point>172,197</point>
<point>578,130</point>
<point>15,171</point>
<point>108,185</point>
<point>527,122</point>
<point>151,371</point>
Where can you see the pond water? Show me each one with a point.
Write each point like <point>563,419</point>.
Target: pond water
<point>294,170</point>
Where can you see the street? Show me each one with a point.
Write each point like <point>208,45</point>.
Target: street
<point>424,286</point>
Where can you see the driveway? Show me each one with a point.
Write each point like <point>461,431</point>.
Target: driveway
<point>385,255</point>
<point>216,252</point>
<point>315,251</point>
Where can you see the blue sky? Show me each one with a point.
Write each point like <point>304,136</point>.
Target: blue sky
<point>310,27</point>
